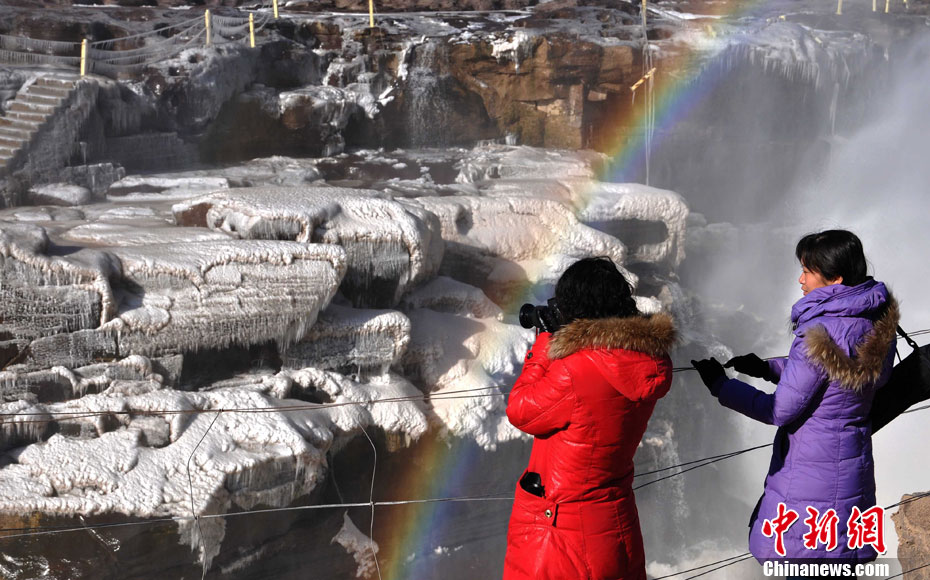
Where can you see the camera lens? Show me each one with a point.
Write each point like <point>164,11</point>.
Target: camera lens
<point>527,316</point>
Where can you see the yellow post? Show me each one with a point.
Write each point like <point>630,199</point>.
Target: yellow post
<point>874,7</point>
<point>839,7</point>
<point>83,56</point>
<point>206,19</point>
<point>371,13</point>
<point>252,30</point>
<point>275,3</point>
<point>887,2</point>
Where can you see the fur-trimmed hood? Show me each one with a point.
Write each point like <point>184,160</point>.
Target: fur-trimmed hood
<point>871,353</point>
<point>653,335</point>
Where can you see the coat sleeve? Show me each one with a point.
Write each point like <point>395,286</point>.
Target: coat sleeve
<point>776,367</point>
<point>542,399</point>
<point>799,382</point>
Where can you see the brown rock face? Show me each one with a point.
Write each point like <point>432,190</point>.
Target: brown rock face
<point>549,90</point>
<point>912,522</point>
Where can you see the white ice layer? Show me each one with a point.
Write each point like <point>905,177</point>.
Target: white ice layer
<point>526,231</point>
<point>362,548</point>
<point>508,162</point>
<point>359,220</point>
<point>154,184</point>
<point>364,341</point>
<point>444,294</point>
<point>793,50</point>
<point>269,452</point>
<point>135,234</point>
<point>217,293</point>
<point>467,364</point>
<point>617,202</point>
<point>27,244</point>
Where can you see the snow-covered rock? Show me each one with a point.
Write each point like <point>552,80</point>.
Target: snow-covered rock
<point>353,341</point>
<point>502,245</point>
<point>59,194</point>
<point>181,297</point>
<point>390,247</point>
<point>466,365</point>
<point>650,221</point>
<point>199,453</point>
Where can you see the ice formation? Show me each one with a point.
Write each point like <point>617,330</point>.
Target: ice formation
<point>494,162</point>
<point>389,247</point>
<point>363,549</point>
<point>652,221</point>
<point>213,294</point>
<point>504,244</point>
<point>60,194</point>
<point>794,50</point>
<point>133,457</point>
<point>355,341</point>
<point>453,353</point>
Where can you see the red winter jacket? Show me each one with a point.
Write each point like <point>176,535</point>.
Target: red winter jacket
<point>586,395</point>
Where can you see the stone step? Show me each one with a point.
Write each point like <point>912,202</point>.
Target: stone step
<point>13,126</point>
<point>29,97</point>
<point>15,141</point>
<point>7,152</point>
<point>54,82</point>
<point>49,91</point>
<point>37,118</point>
<point>18,106</point>
<point>11,142</point>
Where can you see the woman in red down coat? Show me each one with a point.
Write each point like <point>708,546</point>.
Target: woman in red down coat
<point>586,393</point>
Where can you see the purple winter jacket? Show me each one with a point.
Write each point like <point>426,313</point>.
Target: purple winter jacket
<point>842,353</point>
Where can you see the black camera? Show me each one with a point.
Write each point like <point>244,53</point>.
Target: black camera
<point>545,318</point>
<point>531,482</point>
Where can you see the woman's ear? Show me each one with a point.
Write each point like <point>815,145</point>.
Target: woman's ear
<point>837,280</point>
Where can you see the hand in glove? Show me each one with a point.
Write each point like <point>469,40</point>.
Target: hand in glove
<point>749,364</point>
<point>712,374</point>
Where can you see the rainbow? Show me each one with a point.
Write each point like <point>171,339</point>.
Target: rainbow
<point>680,84</point>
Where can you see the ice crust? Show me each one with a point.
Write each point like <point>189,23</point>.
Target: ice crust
<point>793,50</point>
<point>450,353</point>
<point>270,455</point>
<point>504,244</point>
<point>617,203</point>
<point>363,549</point>
<point>216,293</point>
<point>387,244</point>
<point>357,341</point>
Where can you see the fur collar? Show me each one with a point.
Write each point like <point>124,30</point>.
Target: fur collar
<point>871,352</point>
<point>652,335</point>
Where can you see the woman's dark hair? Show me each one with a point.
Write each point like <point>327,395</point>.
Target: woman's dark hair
<point>832,254</point>
<point>594,288</point>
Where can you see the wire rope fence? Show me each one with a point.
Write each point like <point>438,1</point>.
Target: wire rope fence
<point>131,54</point>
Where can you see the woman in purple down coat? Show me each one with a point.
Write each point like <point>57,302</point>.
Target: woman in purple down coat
<point>843,351</point>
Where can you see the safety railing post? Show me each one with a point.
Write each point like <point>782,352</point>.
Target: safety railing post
<point>275,4</point>
<point>206,19</point>
<point>83,57</point>
<point>371,13</point>
<point>251,30</point>
<point>839,7</point>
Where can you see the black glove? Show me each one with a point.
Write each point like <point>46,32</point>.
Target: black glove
<point>749,364</point>
<point>712,374</point>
